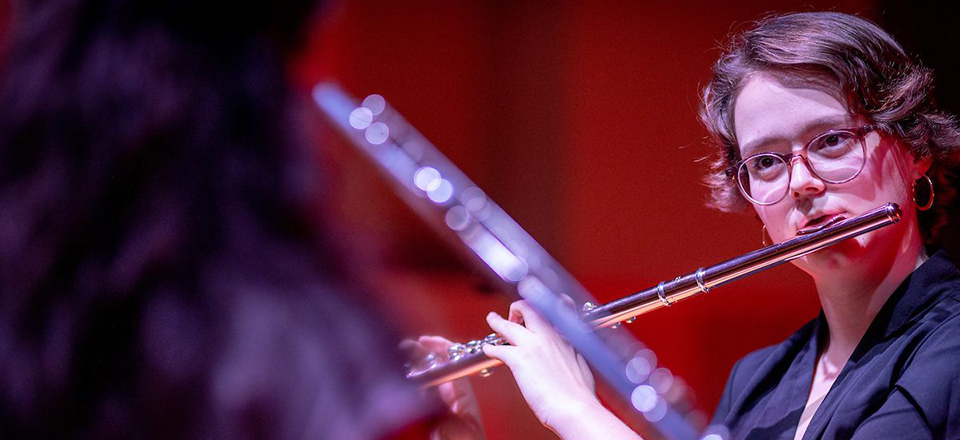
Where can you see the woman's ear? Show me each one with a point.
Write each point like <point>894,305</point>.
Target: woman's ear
<point>916,165</point>
<point>921,165</point>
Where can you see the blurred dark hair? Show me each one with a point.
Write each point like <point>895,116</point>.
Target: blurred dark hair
<point>876,77</point>
<point>165,268</point>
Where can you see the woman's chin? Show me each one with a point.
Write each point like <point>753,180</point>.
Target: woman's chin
<point>842,256</point>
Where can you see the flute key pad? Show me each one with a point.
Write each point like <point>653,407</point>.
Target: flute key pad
<point>457,351</point>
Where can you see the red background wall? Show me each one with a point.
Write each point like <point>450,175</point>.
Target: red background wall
<point>579,119</point>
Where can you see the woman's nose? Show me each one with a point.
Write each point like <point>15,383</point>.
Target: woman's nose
<point>803,182</point>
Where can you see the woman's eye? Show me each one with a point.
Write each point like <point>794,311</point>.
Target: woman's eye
<point>766,167</point>
<point>833,144</point>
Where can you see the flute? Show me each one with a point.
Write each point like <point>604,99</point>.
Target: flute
<point>467,359</point>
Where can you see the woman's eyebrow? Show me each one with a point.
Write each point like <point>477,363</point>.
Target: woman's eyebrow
<point>820,125</point>
<point>816,125</point>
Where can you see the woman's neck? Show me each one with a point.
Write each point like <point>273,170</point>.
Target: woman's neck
<point>852,298</point>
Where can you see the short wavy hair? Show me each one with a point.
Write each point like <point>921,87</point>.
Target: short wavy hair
<point>874,74</point>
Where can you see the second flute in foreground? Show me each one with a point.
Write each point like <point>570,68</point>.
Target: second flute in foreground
<point>467,359</point>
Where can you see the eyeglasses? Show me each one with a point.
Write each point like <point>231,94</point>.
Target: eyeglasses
<point>836,156</point>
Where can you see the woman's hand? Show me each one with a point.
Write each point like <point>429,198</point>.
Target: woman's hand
<point>553,378</point>
<point>464,421</point>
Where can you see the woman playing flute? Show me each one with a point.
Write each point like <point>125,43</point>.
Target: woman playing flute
<point>817,117</point>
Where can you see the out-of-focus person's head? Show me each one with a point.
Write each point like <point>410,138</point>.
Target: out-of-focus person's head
<point>166,268</point>
<point>845,56</point>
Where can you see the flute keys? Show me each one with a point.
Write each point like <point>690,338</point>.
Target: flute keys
<point>456,351</point>
<point>427,363</point>
<point>494,339</point>
<point>474,346</point>
<point>628,321</point>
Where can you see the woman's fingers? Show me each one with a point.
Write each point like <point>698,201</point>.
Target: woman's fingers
<point>425,353</point>
<point>504,353</point>
<point>464,420</point>
<point>414,351</point>
<point>514,333</point>
<point>548,371</point>
<point>437,345</point>
<point>521,311</point>
<point>419,357</point>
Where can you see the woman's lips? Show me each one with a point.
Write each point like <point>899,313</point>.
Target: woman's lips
<point>820,223</point>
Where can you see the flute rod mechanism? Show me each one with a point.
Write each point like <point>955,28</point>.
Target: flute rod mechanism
<point>469,359</point>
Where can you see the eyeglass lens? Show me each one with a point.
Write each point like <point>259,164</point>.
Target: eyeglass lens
<point>833,157</point>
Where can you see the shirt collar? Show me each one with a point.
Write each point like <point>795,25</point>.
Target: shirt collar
<point>918,291</point>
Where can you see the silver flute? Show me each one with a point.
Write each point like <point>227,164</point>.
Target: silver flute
<point>467,359</point>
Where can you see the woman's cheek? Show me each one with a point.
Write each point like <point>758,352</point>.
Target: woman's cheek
<point>776,223</point>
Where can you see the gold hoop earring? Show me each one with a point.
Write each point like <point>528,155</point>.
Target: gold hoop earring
<point>764,235</point>
<point>929,204</point>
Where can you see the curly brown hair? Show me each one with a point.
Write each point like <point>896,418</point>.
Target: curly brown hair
<point>878,79</point>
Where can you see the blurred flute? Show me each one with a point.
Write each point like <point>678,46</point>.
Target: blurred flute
<point>467,359</point>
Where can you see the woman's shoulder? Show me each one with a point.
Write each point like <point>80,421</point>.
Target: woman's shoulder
<point>925,308</point>
<point>941,275</point>
<point>937,329</point>
<point>779,351</point>
<point>770,359</point>
<point>930,376</point>
<point>754,369</point>
<point>934,306</point>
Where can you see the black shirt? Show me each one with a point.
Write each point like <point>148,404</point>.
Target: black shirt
<point>902,380</point>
